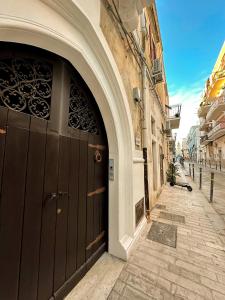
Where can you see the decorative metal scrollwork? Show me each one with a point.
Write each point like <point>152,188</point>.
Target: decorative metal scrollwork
<point>81,115</point>
<point>26,86</point>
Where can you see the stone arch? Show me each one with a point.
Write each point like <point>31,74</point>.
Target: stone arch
<point>102,77</point>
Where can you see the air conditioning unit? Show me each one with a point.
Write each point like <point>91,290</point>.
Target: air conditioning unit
<point>168,125</point>
<point>157,71</point>
<point>156,67</point>
<point>136,94</point>
<point>158,78</point>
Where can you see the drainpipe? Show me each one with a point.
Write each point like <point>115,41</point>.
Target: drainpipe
<point>144,126</point>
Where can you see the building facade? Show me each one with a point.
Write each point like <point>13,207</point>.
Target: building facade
<point>85,124</point>
<point>193,143</point>
<point>184,149</point>
<point>211,114</point>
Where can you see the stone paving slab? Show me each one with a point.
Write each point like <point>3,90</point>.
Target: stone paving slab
<point>172,217</point>
<point>194,270</point>
<point>163,233</point>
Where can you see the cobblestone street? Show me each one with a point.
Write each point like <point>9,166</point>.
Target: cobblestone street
<point>195,269</point>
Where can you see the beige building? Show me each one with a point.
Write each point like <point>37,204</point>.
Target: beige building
<point>139,54</point>
<point>211,115</point>
<point>184,149</point>
<point>85,128</point>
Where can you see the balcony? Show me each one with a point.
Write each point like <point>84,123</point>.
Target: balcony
<point>203,124</point>
<point>203,110</point>
<point>204,140</point>
<point>216,109</point>
<point>215,83</point>
<point>217,131</point>
<point>173,116</point>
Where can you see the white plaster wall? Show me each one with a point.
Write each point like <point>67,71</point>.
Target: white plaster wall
<point>71,29</point>
<point>138,180</point>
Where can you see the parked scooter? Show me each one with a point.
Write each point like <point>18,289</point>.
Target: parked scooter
<point>173,180</point>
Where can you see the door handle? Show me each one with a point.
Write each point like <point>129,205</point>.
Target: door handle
<point>50,197</point>
<point>60,193</point>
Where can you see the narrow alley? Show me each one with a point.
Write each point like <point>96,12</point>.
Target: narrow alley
<point>102,102</point>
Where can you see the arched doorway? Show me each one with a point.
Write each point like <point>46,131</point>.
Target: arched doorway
<point>53,175</point>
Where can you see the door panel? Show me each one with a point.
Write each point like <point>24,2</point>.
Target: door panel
<point>33,210</point>
<point>90,197</point>
<point>3,123</point>
<point>46,265</point>
<point>62,213</point>
<point>74,153</point>
<point>12,203</point>
<point>53,187</point>
<point>100,214</point>
<point>82,204</point>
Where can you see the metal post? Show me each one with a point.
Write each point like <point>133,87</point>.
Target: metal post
<point>205,162</point>
<point>220,165</point>
<point>200,178</point>
<point>190,170</point>
<point>211,187</point>
<point>193,171</point>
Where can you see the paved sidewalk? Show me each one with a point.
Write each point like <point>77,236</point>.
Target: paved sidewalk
<point>195,269</point>
<point>219,187</point>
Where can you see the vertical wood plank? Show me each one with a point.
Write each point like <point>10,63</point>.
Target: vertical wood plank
<point>46,262</point>
<point>12,204</point>
<point>81,239</point>
<point>73,206</point>
<point>100,203</point>
<point>33,210</point>
<point>62,213</point>
<point>90,199</point>
<point>3,133</point>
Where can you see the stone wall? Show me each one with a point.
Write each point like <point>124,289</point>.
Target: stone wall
<point>126,64</point>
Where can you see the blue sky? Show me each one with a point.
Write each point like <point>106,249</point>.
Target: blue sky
<point>192,33</point>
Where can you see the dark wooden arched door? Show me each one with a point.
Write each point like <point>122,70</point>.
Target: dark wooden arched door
<point>53,175</point>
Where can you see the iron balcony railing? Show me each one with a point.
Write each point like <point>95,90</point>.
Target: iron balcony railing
<point>220,100</point>
<point>173,116</point>
<point>217,128</point>
<point>173,111</point>
<point>203,109</point>
<point>204,138</point>
<point>202,122</point>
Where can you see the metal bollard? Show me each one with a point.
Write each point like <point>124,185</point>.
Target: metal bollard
<point>200,178</point>
<point>193,171</point>
<point>216,166</point>
<point>190,170</point>
<point>205,162</point>
<point>211,187</point>
<point>220,165</point>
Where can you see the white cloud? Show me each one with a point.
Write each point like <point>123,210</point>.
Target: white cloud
<point>189,97</point>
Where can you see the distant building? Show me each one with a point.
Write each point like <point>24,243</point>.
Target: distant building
<point>193,144</point>
<point>178,150</point>
<point>211,114</point>
<point>184,149</point>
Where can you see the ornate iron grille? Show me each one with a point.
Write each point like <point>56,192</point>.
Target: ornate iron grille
<point>81,114</point>
<point>26,86</point>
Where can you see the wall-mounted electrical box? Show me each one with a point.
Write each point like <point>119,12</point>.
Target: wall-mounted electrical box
<point>136,94</point>
<point>111,169</point>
